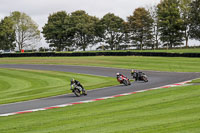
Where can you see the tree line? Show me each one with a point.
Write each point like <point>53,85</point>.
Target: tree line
<point>18,30</point>
<point>169,24</point>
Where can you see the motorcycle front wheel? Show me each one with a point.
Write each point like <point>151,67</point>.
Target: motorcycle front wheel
<point>84,92</point>
<point>145,79</point>
<point>129,83</point>
<point>125,82</point>
<point>77,92</point>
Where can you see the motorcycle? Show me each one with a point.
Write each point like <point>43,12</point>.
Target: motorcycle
<point>141,76</point>
<point>77,90</point>
<point>123,80</point>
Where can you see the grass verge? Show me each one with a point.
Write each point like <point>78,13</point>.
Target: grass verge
<point>196,81</point>
<point>171,110</point>
<point>20,85</point>
<point>176,64</point>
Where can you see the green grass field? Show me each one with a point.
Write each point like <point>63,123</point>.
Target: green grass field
<point>20,85</point>
<point>196,81</point>
<point>171,110</point>
<point>173,64</point>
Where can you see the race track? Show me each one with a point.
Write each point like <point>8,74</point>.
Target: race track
<point>156,79</point>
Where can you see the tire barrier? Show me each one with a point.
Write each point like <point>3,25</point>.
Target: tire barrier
<point>53,54</point>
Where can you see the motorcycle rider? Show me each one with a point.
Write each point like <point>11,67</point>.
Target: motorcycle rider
<point>138,75</point>
<point>119,74</point>
<point>76,82</point>
<point>135,74</point>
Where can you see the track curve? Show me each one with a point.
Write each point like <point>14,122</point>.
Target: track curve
<point>156,79</point>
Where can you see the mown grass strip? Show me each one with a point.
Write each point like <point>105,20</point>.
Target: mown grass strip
<point>20,85</point>
<point>174,110</point>
<point>176,64</point>
<point>196,81</point>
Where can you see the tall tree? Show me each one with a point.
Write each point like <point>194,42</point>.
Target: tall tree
<point>170,23</point>
<point>7,34</point>
<point>26,30</point>
<point>195,19</point>
<point>83,28</point>
<point>185,11</point>
<point>113,29</point>
<point>58,31</point>
<point>153,12</point>
<point>141,26</point>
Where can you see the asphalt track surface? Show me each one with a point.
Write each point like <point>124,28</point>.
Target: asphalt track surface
<point>156,79</point>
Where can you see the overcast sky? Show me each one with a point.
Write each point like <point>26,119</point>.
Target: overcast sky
<point>39,10</point>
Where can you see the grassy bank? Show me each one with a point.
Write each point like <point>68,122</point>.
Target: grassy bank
<point>196,81</point>
<point>19,85</point>
<point>171,110</point>
<point>174,64</point>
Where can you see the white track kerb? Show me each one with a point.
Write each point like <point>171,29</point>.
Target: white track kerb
<point>93,100</point>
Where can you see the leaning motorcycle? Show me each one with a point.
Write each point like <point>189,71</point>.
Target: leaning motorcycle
<point>123,80</point>
<point>141,76</point>
<point>77,90</point>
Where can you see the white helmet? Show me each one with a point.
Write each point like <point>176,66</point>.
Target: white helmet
<point>117,74</point>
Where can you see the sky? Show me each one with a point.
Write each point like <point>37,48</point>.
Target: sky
<point>39,10</point>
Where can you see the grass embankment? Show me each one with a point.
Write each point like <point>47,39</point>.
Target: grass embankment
<point>20,85</point>
<point>175,64</point>
<point>171,110</point>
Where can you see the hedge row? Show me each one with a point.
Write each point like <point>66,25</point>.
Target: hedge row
<point>102,54</point>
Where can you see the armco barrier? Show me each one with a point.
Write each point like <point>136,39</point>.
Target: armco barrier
<point>161,54</point>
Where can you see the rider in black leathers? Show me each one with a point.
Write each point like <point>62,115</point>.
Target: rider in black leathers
<point>139,75</point>
<point>135,74</point>
<point>76,82</point>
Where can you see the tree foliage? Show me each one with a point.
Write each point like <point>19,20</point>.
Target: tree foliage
<point>167,24</point>
<point>26,30</point>
<point>141,27</point>
<point>83,26</point>
<point>7,34</point>
<point>195,19</point>
<point>58,30</point>
<point>153,12</point>
<point>65,30</point>
<point>113,30</point>
<point>170,23</point>
<point>184,12</point>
